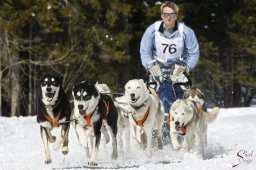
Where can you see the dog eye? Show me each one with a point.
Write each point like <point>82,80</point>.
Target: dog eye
<point>172,119</point>
<point>176,113</point>
<point>183,114</point>
<point>76,97</point>
<point>129,88</point>
<point>138,87</point>
<point>87,97</point>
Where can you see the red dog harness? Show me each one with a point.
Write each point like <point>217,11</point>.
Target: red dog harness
<point>53,120</point>
<point>140,122</point>
<point>88,116</point>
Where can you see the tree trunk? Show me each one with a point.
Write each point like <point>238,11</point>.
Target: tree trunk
<point>14,94</point>
<point>0,84</point>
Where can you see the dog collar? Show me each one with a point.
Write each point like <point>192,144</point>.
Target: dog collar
<point>52,106</point>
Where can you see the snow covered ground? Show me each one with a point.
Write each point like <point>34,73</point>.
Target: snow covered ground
<point>231,141</point>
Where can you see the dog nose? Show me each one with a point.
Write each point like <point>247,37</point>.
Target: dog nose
<point>132,95</point>
<point>177,123</point>
<point>48,89</point>
<point>80,107</point>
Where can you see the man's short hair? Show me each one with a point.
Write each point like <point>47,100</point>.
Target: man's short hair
<point>170,5</point>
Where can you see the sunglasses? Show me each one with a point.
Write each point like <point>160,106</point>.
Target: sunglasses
<point>165,15</point>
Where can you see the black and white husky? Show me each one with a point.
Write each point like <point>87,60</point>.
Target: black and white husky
<point>53,111</point>
<point>96,114</point>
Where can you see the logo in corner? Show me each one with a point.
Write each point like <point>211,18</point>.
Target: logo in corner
<point>244,156</point>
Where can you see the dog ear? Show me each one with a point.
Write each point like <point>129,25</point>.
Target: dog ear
<point>94,89</point>
<point>59,78</point>
<point>73,88</point>
<point>200,94</point>
<point>144,85</point>
<point>94,81</point>
<point>125,87</point>
<point>185,96</point>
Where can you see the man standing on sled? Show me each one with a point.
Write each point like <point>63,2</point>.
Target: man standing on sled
<point>173,47</point>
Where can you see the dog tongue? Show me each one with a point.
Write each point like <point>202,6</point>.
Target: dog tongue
<point>49,95</point>
<point>177,128</point>
<point>82,112</point>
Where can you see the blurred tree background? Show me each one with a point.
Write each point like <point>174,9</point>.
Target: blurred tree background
<point>99,40</point>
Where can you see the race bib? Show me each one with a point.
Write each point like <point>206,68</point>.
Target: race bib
<point>168,49</point>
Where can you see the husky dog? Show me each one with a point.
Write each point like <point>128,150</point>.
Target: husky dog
<point>186,118</point>
<point>196,95</point>
<point>96,114</point>
<point>147,111</point>
<point>121,104</point>
<point>53,111</point>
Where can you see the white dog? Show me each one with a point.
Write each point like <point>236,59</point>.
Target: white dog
<point>147,111</point>
<point>186,119</point>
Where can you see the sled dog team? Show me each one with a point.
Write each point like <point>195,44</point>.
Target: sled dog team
<point>94,114</point>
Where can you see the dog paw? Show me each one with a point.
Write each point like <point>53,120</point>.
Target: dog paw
<point>92,163</point>
<point>177,147</point>
<point>58,143</point>
<point>65,150</point>
<point>114,155</point>
<point>149,154</point>
<point>48,161</point>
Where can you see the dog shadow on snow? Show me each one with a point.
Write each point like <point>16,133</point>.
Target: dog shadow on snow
<point>212,152</point>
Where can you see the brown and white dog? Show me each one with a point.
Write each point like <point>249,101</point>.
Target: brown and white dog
<point>189,117</point>
<point>53,111</point>
<point>147,112</point>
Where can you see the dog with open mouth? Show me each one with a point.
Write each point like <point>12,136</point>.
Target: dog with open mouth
<point>53,111</point>
<point>96,114</point>
<point>147,113</point>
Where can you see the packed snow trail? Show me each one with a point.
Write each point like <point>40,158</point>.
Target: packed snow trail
<point>232,134</point>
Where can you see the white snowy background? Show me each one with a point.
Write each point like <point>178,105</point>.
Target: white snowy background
<point>21,148</point>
